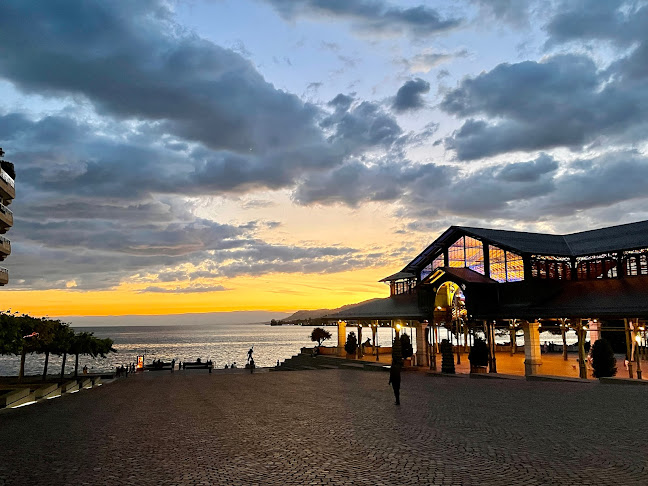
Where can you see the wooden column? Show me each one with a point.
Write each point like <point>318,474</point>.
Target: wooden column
<point>582,333</point>
<point>421,345</point>
<point>359,350</point>
<point>532,353</point>
<point>628,347</point>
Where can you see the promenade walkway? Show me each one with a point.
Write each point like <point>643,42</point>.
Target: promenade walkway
<point>329,427</point>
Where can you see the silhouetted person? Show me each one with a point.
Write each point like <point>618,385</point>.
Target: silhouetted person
<point>252,365</point>
<point>250,354</point>
<point>395,378</point>
<point>226,366</point>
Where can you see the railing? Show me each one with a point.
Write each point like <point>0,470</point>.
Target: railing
<point>4,209</point>
<point>4,273</point>
<point>7,178</point>
<point>5,241</point>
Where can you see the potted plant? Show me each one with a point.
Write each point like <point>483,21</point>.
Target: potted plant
<point>406,349</point>
<point>478,356</point>
<point>603,360</point>
<point>447,357</point>
<point>351,345</point>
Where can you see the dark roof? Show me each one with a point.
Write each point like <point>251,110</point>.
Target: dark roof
<point>614,238</point>
<point>467,275</point>
<point>522,241</point>
<point>398,276</point>
<point>400,307</point>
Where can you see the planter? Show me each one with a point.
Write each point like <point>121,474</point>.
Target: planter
<point>478,369</point>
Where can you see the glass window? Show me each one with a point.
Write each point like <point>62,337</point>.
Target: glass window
<point>457,254</point>
<point>438,262</point>
<point>426,271</point>
<point>514,267</point>
<point>474,254</point>
<point>497,259</point>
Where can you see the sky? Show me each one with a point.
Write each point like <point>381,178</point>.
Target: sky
<point>203,156</point>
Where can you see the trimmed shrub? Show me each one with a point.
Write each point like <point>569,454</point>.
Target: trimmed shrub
<point>351,344</point>
<point>447,357</point>
<point>406,346</point>
<point>603,360</point>
<point>478,353</point>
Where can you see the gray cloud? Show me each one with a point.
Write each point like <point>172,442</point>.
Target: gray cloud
<point>132,61</point>
<point>619,21</point>
<point>192,289</point>
<point>371,16</point>
<point>514,12</point>
<point>561,101</point>
<point>410,96</point>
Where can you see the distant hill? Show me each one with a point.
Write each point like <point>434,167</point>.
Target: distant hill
<point>303,316</point>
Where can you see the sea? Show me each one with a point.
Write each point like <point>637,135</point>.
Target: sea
<point>223,344</point>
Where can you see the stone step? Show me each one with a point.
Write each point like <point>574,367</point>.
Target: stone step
<point>70,386</point>
<point>47,391</point>
<point>10,397</point>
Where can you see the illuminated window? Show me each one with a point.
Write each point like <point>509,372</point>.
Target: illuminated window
<point>457,254</point>
<point>474,254</point>
<point>514,267</point>
<point>597,266</point>
<point>636,262</point>
<point>497,258</point>
<point>436,263</point>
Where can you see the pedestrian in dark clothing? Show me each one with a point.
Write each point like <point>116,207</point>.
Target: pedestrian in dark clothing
<point>395,378</point>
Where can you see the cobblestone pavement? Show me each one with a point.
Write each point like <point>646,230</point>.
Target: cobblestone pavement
<point>330,427</point>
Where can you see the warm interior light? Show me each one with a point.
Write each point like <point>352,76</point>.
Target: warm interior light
<point>398,327</point>
<point>638,339</point>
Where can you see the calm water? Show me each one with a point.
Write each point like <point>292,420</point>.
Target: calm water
<point>221,343</point>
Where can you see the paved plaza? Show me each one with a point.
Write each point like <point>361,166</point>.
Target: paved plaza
<point>337,427</point>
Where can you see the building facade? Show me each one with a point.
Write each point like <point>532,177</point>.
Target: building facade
<point>477,278</point>
<point>7,194</point>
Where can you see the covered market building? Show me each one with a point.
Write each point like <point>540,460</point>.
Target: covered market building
<point>486,280</point>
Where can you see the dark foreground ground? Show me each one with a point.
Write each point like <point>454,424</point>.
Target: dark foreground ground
<point>336,427</point>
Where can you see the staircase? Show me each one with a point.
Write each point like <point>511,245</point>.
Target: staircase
<point>306,361</point>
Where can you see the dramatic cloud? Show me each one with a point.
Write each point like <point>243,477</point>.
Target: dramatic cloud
<point>410,96</point>
<point>371,16</point>
<point>562,101</point>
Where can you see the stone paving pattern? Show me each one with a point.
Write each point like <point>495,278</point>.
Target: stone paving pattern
<point>329,427</point>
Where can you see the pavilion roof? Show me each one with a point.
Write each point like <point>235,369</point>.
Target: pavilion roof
<point>377,309</point>
<point>603,240</point>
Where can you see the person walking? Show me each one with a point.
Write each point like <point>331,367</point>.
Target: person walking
<point>395,378</point>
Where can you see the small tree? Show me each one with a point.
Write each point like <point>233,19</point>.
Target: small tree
<point>351,344</point>
<point>320,335</point>
<point>603,360</point>
<point>406,346</point>
<point>478,353</point>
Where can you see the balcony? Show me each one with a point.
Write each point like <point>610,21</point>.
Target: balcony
<point>5,248</point>
<point>7,186</point>
<point>6,218</point>
<point>4,276</point>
